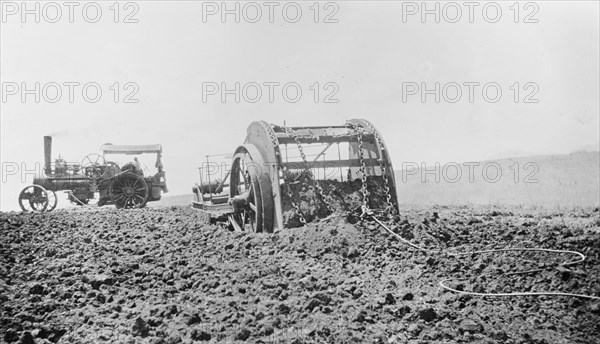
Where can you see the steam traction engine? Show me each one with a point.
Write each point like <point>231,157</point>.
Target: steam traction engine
<point>275,171</point>
<point>124,186</point>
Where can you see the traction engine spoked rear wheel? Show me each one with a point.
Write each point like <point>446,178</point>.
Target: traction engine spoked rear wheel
<point>129,190</point>
<point>34,198</point>
<point>250,192</point>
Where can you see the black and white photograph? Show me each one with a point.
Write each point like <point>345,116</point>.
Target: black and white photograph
<point>299,171</point>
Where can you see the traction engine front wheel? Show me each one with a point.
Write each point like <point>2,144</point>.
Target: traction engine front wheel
<point>52,200</point>
<point>34,198</point>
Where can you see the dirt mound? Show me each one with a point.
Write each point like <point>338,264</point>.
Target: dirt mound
<point>161,276</point>
<point>345,197</point>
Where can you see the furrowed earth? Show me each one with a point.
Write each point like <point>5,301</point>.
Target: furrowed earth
<point>161,275</point>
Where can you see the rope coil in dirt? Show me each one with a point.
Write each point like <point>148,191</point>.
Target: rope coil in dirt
<point>458,254</point>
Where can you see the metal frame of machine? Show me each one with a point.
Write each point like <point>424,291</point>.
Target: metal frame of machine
<point>260,169</point>
<point>124,186</point>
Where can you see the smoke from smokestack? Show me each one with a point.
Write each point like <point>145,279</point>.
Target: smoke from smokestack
<point>59,133</point>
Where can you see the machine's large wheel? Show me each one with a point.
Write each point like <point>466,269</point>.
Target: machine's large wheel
<point>34,198</point>
<point>52,200</point>
<point>261,137</point>
<point>250,186</point>
<point>128,190</point>
<point>244,186</point>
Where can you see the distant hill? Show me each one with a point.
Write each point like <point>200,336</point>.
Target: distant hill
<point>548,181</point>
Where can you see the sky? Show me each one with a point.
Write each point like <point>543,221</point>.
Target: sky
<point>170,62</point>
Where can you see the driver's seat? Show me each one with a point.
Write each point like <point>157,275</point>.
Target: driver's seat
<point>131,167</point>
<point>112,169</point>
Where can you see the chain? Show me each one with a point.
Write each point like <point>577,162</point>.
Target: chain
<point>272,136</point>
<point>363,169</point>
<point>308,172</point>
<point>316,184</point>
<point>383,166</point>
<point>275,143</point>
<point>294,205</point>
<point>293,134</point>
<point>331,194</point>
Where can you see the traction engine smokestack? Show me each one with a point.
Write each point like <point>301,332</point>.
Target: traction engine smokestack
<point>47,155</point>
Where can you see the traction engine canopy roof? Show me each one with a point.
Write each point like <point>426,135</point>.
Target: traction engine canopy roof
<point>131,149</point>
